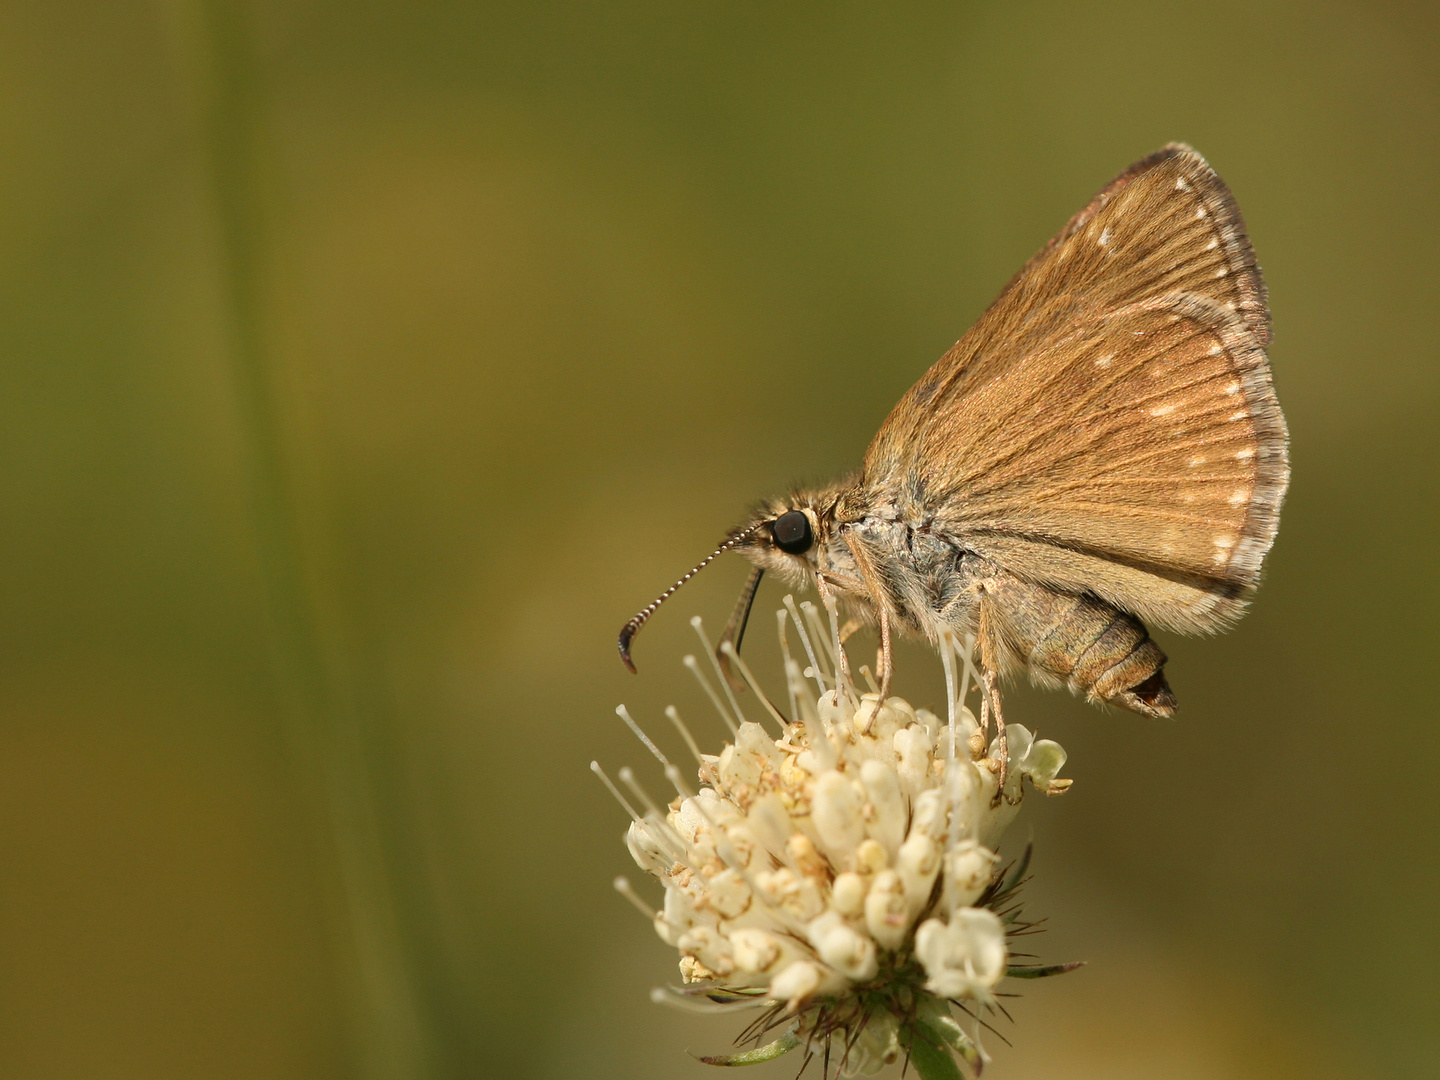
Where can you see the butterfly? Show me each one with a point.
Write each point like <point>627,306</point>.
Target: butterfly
<point>1101,451</point>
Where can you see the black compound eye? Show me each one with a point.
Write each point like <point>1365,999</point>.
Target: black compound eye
<point>792,532</point>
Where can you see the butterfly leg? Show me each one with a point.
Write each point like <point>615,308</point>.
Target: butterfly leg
<point>885,661</point>
<point>990,699</point>
<point>868,573</point>
<point>842,662</point>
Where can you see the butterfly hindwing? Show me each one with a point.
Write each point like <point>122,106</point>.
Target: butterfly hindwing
<point>1141,458</point>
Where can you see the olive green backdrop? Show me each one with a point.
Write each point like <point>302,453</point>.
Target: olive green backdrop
<point>363,366</point>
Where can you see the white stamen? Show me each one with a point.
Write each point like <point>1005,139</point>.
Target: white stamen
<point>698,625</point>
<point>624,714</point>
<point>789,662</point>
<point>968,659</point>
<point>627,777</point>
<point>947,660</point>
<point>673,715</point>
<point>693,666</point>
<point>598,771</point>
<point>625,889</point>
<point>735,658</point>
<point>814,670</point>
<point>837,653</point>
<point>678,782</point>
<point>821,635</point>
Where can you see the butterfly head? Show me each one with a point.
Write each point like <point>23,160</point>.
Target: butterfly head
<point>792,537</point>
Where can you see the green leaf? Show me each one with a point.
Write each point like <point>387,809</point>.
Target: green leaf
<point>768,1052</point>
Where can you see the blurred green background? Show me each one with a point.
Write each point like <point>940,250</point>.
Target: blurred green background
<point>365,365</point>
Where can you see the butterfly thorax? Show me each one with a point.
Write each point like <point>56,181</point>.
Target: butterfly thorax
<point>899,559</point>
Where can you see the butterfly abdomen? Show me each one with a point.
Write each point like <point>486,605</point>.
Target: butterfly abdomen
<point>1081,642</point>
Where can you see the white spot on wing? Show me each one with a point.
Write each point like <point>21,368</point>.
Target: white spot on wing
<point>1200,212</point>
<point>1104,361</point>
<point>1213,244</point>
<point>1104,236</point>
<point>1198,459</point>
<point>1233,388</point>
<point>1244,455</point>
<point>1215,350</point>
<point>1241,415</point>
<point>1181,185</point>
<point>1162,410</point>
<point>1222,272</point>
<point>1240,495</point>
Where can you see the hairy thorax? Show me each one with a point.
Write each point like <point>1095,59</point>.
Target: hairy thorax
<point>925,578</point>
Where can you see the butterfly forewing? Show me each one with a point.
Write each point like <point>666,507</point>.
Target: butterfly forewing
<point>1168,224</point>
<point>1142,458</point>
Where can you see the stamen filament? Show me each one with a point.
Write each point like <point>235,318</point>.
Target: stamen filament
<point>624,714</point>
<point>699,626</point>
<point>785,656</point>
<point>745,672</point>
<point>813,672</point>
<point>624,888</point>
<point>693,666</point>
<point>598,771</point>
<point>673,715</point>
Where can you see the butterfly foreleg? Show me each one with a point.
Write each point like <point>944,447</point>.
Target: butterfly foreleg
<point>879,603</point>
<point>842,662</point>
<point>885,661</point>
<point>987,644</point>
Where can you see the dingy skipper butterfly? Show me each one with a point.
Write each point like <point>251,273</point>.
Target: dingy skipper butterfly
<point>1102,447</point>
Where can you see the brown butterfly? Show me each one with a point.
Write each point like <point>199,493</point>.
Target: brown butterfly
<point>1103,446</point>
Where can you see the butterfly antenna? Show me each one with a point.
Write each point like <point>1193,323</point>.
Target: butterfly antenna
<point>631,628</point>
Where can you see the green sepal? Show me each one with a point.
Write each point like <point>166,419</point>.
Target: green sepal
<point>931,1058</point>
<point>768,1052</point>
<point>934,1040</point>
<point>1042,972</point>
<point>1017,872</point>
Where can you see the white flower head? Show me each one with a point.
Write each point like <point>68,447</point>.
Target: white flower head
<point>841,876</point>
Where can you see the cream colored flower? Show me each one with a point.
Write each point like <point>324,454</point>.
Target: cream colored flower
<point>838,868</point>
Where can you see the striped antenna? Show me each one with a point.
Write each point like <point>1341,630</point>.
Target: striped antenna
<point>631,628</point>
